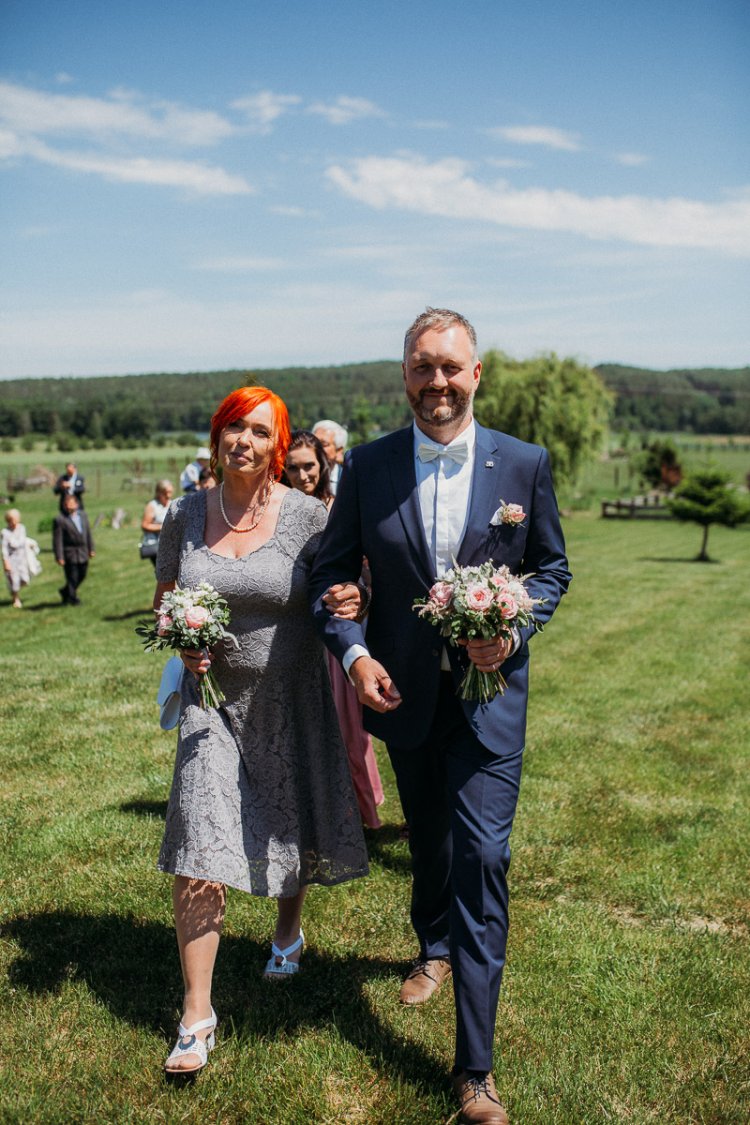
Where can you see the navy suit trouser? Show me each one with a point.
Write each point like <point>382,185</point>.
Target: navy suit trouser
<point>459,800</point>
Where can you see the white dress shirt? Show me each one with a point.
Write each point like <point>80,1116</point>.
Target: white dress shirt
<point>444,494</point>
<point>444,488</point>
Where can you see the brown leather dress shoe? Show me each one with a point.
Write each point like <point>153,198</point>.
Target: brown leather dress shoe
<point>424,979</point>
<point>478,1098</point>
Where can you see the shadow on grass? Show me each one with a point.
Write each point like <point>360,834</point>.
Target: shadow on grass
<point>57,604</point>
<point>145,808</point>
<point>692,559</point>
<point>147,613</point>
<point>133,968</point>
<point>387,847</point>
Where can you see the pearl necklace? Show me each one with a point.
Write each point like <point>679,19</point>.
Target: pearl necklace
<point>261,510</point>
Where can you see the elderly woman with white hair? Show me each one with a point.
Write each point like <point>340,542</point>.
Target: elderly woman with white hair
<point>15,548</point>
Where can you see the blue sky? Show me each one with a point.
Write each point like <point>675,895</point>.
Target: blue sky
<point>192,186</point>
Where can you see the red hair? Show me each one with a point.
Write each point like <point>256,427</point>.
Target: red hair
<point>243,401</point>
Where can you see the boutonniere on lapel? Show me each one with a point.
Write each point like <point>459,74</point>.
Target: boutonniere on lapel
<point>508,513</point>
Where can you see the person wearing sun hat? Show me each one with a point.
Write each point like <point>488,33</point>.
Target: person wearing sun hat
<point>190,475</point>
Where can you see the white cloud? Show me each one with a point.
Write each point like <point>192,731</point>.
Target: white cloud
<point>291,212</point>
<point>37,113</point>
<point>27,116</point>
<point>242,265</point>
<point>546,135</point>
<point>446,188</point>
<point>201,179</point>
<point>264,108</point>
<point>509,162</point>
<point>345,109</point>
<point>631,159</point>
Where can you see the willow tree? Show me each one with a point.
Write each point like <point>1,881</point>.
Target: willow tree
<point>558,403</point>
<point>706,497</point>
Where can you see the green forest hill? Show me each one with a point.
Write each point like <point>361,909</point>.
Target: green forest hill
<point>365,397</point>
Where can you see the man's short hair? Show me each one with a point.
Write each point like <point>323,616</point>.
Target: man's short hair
<point>440,319</point>
<point>340,435</point>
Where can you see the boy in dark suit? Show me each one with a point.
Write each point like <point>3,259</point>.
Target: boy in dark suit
<point>73,547</point>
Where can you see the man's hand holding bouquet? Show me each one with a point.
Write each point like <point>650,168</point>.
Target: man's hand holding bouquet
<point>479,602</point>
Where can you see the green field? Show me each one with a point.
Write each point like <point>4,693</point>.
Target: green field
<point>627,994</point>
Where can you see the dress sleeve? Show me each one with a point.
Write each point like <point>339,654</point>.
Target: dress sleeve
<point>170,545</point>
<point>318,518</point>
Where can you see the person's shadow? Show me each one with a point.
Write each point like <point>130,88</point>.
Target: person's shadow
<point>109,952</point>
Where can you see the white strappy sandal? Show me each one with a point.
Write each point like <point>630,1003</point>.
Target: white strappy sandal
<point>286,968</point>
<point>188,1043</point>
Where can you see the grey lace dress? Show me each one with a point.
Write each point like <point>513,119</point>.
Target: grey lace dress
<point>262,798</point>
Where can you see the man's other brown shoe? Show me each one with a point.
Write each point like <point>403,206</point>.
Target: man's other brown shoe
<point>478,1098</point>
<point>423,980</point>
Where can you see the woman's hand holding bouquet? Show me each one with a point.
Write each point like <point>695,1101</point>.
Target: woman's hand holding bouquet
<point>191,620</point>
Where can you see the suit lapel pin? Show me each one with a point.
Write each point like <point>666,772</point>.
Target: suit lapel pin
<point>489,464</point>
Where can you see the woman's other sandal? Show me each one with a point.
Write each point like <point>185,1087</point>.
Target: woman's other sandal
<point>284,968</point>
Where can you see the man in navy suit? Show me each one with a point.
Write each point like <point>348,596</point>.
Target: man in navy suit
<point>412,503</point>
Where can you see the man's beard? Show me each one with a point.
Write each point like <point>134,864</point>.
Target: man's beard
<point>443,415</point>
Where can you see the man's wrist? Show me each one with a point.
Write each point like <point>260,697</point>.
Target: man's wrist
<point>352,653</point>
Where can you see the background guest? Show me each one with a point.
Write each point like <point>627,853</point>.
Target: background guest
<point>70,483</point>
<point>190,475</point>
<point>154,513</point>
<point>73,547</point>
<point>307,470</point>
<point>15,555</point>
<point>333,438</point>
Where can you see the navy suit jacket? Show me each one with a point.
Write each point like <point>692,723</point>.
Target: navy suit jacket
<point>376,514</point>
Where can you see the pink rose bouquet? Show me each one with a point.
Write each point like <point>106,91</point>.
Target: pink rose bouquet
<point>192,618</point>
<point>478,602</point>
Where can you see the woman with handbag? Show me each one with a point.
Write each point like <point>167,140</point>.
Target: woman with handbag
<point>153,518</point>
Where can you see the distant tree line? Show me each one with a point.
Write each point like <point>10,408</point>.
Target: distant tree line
<point>364,397</point>
<point>367,398</point>
<point>700,401</point>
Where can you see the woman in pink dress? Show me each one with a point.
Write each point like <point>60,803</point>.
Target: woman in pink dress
<point>307,469</point>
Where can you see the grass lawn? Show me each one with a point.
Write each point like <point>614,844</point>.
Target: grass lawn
<point>627,994</point>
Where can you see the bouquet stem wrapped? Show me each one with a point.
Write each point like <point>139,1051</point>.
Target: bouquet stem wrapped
<point>193,619</point>
<point>478,602</point>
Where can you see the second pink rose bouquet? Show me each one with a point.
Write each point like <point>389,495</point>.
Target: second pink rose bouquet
<point>190,618</point>
<point>481,602</point>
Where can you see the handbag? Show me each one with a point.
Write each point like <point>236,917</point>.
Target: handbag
<point>149,545</point>
<point>168,695</point>
<point>32,550</point>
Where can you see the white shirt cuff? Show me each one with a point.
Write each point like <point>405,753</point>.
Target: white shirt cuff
<point>351,655</point>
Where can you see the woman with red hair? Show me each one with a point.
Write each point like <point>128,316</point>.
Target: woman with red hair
<point>262,799</point>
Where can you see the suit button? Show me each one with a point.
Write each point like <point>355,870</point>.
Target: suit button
<point>436,652</point>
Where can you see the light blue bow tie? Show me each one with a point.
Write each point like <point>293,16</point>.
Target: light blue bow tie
<point>458,452</point>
